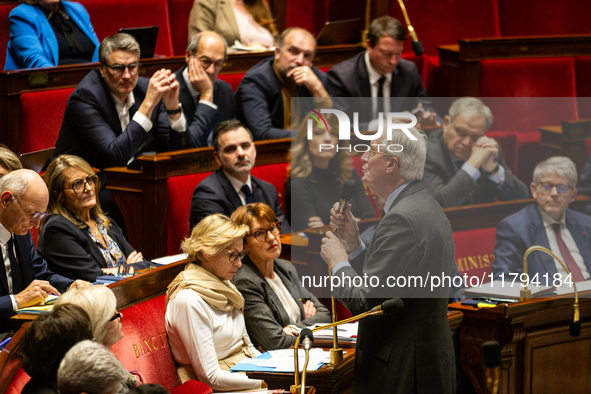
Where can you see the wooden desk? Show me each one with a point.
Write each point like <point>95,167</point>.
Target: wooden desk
<point>538,355</point>
<point>461,63</point>
<point>14,83</point>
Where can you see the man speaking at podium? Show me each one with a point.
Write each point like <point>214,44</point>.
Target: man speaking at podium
<point>409,351</point>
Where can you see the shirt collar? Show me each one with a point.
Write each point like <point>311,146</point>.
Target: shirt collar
<point>395,193</point>
<point>194,93</point>
<point>548,221</point>
<point>374,76</point>
<point>121,108</point>
<point>236,184</point>
<point>5,235</point>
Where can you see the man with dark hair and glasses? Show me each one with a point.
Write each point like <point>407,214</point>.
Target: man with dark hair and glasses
<point>114,115</point>
<point>206,100</point>
<point>24,276</point>
<point>548,223</point>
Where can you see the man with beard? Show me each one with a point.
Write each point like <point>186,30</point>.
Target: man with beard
<point>264,97</point>
<point>232,186</point>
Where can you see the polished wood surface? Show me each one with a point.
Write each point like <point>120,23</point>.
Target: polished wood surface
<point>538,355</point>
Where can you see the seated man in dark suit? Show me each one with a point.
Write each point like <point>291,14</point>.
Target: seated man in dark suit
<point>113,115</point>
<point>464,166</point>
<point>206,100</point>
<point>548,223</point>
<point>379,72</point>
<point>232,186</point>
<point>264,97</point>
<point>24,276</point>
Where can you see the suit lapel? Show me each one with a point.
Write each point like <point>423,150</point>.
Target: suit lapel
<point>229,191</point>
<point>3,278</point>
<point>581,238</point>
<point>108,103</point>
<point>446,158</point>
<point>540,237</point>
<point>185,96</point>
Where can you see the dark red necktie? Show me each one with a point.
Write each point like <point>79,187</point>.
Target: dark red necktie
<point>568,258</point>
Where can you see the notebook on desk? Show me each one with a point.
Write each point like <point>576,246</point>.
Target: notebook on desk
<point>346,31</point>
<point>146,37</point>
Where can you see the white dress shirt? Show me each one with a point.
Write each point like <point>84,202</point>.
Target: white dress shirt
<point>5,236</point>
<point>374,77</point>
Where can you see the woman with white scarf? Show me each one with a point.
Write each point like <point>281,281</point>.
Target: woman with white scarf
<point>204,314</point>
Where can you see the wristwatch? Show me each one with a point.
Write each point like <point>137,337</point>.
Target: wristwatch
<point>175,111</point>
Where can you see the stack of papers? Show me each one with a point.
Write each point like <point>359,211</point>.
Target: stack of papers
<point>45,307</point>
<point>282,361</point>
<point>170,259</point>
<point>506,289</point>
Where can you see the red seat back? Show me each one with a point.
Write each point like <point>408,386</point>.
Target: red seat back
<point>179,11</point>
<point>232,79</point>
<point>41,118</point>
<point>17,382</point>
<point>275,174</point>
<point>108,16</point>
<point>583,70</point>
<point>180,193</point>
<point>144,346</point>
<point>474,253</point>
<point>4,31</point>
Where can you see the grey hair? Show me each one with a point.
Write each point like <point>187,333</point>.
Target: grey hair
<point>98,301</point>
<point>471,106</point>
<point>411,159</point>
<point>89,367</point>
<point>559,165</point>
<point>193,44</point>
<point>16,182</point>
<point>117,42</point>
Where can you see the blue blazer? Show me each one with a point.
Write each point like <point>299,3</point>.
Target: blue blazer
<point>30,266</point>
<point>525,228</point>
<point>201,118</point>
<point>32,41</point>
<point>260,104</point>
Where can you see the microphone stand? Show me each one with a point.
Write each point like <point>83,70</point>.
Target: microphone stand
<point>375,311</point>
<point>525,293</point>
<point>367,18</point>
<point>416,44</point>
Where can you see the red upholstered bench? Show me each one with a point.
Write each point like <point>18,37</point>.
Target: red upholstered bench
<point>4,31</point>
<point>108,16</point>
<point>232,79</point>
<point>145,347</point>
<point>41,118</point>
<point>179,11</point>
<point>474,253</point>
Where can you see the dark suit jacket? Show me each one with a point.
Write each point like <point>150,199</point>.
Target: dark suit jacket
<point>453,189</point>
<point>409,351</point>
<point>351,79</point>
<point>69,250</point>
<point>525,228</point>
<point>259,102</point>
<point>91,128</point>
<point>201,118</point>
<point>264,314</point>
<point>215,194</point>
<point>31,266</point>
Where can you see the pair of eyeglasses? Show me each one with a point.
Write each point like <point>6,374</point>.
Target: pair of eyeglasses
<point>117,315</point>
<point>261,235</point>
<point>207,62</point>
<point>561,189</point>
<point>125,270</point>
<point>33,215</point>
<point>79,185</point>
<point>234,255</point>
<point>119,69</point>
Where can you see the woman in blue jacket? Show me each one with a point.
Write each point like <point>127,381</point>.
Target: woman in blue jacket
<point>49,33</point>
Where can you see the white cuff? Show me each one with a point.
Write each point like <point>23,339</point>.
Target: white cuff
<point>339,266</point>
<point>14,303</point>
<point>212,105</point>
<point>143,121</point>
<point>179,125</point>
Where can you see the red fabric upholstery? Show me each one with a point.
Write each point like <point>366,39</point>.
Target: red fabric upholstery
<point>530,153</point>
<point>342,311</point>
<point>583,70</point>
<point>180,193</point>
<point>275,174</point>
<point>41,118</point>
<point>531,17</point>
<point>4,31</point>
<point>357,164</point>
<point>17,382</point>
<point>444,22</point>
<point>309,14</point>
<point>108,16</point>
<point>420,62</point>
<point>507,140</point>
<point>144,346</point>
<point>191,387</point>
<point>531,77</point>
<point>179,24</point>
<point>232,79</point>
<point>474,252</point>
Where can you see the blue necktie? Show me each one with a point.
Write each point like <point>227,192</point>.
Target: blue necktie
<point>246,190</point>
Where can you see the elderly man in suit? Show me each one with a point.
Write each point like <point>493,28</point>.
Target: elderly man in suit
<point>265,95</point>
<point>232,186</point>
<point>25,278</point>
<point>410,351</point>
<point>206,100</point>
<point>464,166</point>
<point>113,115</point>
<point>394,84</point>
<point>548,223</point>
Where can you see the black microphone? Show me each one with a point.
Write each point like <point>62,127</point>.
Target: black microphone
<point>417,47</point>
<point>388,306</point>
<point>491,353</point>
<point>574,328</point>
<point>347,193</point>
<point>307,338</point>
